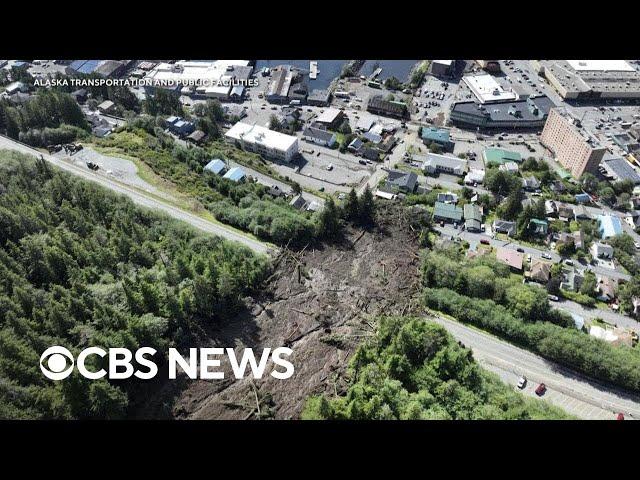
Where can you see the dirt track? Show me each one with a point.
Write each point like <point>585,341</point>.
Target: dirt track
<point>322,318</point>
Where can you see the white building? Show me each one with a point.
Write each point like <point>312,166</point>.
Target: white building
<point>474,176</point>
<point>487,89</point>
<point>212,79</point>
<point>261,140</point>
<point>435,163</point>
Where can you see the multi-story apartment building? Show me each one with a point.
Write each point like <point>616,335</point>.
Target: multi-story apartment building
<point>573,147</point>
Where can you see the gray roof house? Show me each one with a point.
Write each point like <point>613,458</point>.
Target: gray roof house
<point>472,217</point>
<point>404,181</point>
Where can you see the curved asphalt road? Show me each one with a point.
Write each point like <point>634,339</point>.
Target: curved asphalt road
<point>142,199</point>
<point>575,393</point>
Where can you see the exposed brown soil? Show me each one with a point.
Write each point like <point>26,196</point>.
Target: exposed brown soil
<point>322,318</point>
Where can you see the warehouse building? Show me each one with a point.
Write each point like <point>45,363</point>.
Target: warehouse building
<point>592,79</point>
<point>282,77</point>
<point>330,119</point>
<point>529,113</point>
<point>379,106</point>
<point>261,140</point>
<point>576,149</point>
<point>210,79</point>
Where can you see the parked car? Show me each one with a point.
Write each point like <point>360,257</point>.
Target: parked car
<point>522,382</point>
<point>330,167</point>
<point>546,256</point>
<point>520,249</point>
<point>553,298</point>
<point>620,416</point>
<point>541,389</point>
<point>484,241</point>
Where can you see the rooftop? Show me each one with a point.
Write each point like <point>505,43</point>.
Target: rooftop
<point>510,257</point>
<point>447,210</point>
<point>487,89</point>
<point>262,135</point>
<point>498,155</point>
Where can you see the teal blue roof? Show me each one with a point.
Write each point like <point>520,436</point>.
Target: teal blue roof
<point>435,134</point>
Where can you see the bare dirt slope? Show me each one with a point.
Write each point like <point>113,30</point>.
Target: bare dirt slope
<point>322,318</point>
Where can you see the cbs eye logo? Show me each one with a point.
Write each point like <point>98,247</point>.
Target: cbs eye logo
<point>57,367</point>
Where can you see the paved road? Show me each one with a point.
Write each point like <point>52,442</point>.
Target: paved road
<point>571,391</point>
<point>140,198</point>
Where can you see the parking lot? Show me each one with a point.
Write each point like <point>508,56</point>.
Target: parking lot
<point>433,101</point>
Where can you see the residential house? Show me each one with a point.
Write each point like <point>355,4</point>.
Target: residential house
<point>509,167</point>
<point>472,217</point>
<point>438,136</point>
<point>435,163</point>
<point>583,198</point>
<point>447,197</point>
<point>447,212</point>
<point>298,202</point>
<point>601,250</point>
<point>565,213</point>
<point>607,288</point>
<point>550,208</point>
<point>107,107</point>
<point>504,226</point>
<point>609,226</point>
<point>403,181</point>
<point>571,279</point>
<point>319,136</point>
<point>370,153</point>
<point>197,137</point>
<point>580,213</point>
<point>558,187</point>
<point>510,257</point>
<point>355,145</point>
<point>633,219</point>
<point>530,183</point>
<point>475,176</point>
<point>540,271</point>
<point>538,227</point>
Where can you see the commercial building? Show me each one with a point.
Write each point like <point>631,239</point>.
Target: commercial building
<point>282,78</point>
<point>319,98</point>
<point>435,163</point>
<point>472,217</point>
<point>620,169</point>
<point>498,156</point>
<point>442,68</point>
<point>592,79</point>
<point>529,113</point>
<point>609,226</point>
<point>331,118</point>
<point>487,90</point>
<point>261,140</point>
<point>626,141</point>
<point>379,106</point>
<point>439,136</point>
<point>576,149</point>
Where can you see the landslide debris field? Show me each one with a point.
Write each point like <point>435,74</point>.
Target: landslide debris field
<point>318,302</point>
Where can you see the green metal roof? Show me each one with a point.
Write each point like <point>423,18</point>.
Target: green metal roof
<point>447,210</point>
<point>498,155</point>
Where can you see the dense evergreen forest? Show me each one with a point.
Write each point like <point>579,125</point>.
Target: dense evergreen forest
<point>80,266</point>
<point>48,117</point>
<point>414,370</point>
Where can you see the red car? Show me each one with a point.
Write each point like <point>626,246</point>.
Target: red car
<point>484,241</point>
<point>620,416</point>
<point>541,389</point>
